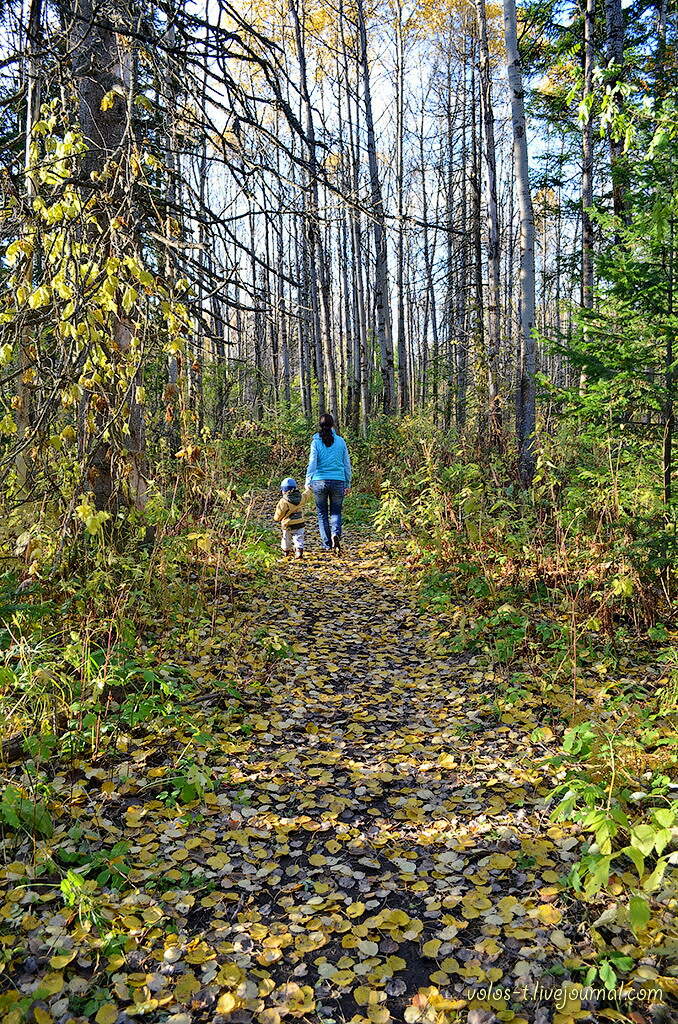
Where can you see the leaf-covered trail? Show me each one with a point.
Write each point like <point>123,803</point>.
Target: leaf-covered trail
<point>384,842</point>
<point>369,845</point>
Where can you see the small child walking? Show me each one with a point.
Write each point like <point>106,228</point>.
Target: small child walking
<point>289,514</point>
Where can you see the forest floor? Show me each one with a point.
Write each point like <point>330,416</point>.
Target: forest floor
<point>368,843</point>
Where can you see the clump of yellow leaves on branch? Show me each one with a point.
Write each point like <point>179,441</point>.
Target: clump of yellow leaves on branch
<point>84,314</point>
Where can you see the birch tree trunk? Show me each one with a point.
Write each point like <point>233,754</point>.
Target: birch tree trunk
<point>526,391</point>
<point>403,377</point>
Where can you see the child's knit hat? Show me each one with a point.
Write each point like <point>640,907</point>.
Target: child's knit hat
<point>288,484</point>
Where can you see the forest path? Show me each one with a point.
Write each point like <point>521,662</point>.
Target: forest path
<point>394,853</point>
<point>368,843</point>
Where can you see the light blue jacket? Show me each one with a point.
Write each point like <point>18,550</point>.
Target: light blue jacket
<point>328,463</point>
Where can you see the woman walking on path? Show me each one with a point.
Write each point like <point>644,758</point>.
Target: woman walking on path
<point>329,477</point>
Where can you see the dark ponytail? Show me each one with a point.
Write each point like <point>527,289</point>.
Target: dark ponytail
<point>326,434</point>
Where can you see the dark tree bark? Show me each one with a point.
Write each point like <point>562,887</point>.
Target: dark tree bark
<point>103,66</point>
<point>33,91</point>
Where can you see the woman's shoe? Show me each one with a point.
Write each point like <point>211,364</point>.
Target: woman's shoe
<point>298,554</point>
<point>336,545</point>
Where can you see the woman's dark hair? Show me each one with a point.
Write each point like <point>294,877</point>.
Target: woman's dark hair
<point>326,424</point>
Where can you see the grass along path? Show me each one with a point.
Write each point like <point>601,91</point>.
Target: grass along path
<point>370,845</point>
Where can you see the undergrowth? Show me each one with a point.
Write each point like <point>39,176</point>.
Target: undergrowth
<point>564,591</point>
<point>126,631</point>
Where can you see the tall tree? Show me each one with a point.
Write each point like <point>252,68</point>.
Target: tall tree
<point>614,22</point>
<point>526,412</point>
<point>403,375</point>
<point>103,68</point>
<point>381,285</point>
<point>23,406</point>
<point>317,253</point>
<point>587,161</point>
<point>493,237</point>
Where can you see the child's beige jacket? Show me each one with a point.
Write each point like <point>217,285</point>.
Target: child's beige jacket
<point>288,511</point>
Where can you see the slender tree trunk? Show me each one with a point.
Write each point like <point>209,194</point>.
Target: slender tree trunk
<point>480,361</point>
<point>258,328</point>
<point>526,397</point>
<point>428,267</point>
<point>493,237</point>
<point>669,373</point>
<point>359,302</point>
<point>559,262</point>
<point>360,307</point>
<point>352,348</point>
<point>23,410</point>
<point>302,319</point>
<point>453,293</point>
<point>318,265</point>
<point>510,275</point>
<point>460,308</point>
<point>283,326</point>
<point>352,230</point>
<point>403,379</point>
<point>172,227</point>
<point>314,299</point>
<point>663,77</point>
<point>379,226</point>
<point>217,344</point>
<point>301,309</point>
<point>587,168</point>
<point>614,21</point>
<point>198,341</point>
<point>328,351</point>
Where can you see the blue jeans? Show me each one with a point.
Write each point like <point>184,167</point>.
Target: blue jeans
<point>329,497</point>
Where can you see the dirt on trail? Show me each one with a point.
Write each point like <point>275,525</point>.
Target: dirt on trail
<point>373,845</point>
